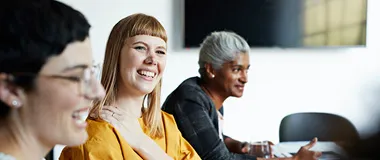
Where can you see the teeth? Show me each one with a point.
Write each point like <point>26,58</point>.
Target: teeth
<point>83,115</point>
<point>80,116</point>
<point>147,73</point>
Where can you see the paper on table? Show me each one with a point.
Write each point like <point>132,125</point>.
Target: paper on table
<point>293,147</point>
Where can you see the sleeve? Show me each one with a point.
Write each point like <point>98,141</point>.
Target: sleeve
<point>91,152</point>
<point>187,151</point>
<point>196,126</point>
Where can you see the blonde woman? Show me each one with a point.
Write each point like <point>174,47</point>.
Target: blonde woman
<point>122,125</point>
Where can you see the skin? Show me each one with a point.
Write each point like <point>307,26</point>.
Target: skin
<point>229,80</point>
<point>43,117</point>
<point>141,52</point>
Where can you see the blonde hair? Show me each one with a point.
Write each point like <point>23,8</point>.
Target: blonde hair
<point>133,25</point>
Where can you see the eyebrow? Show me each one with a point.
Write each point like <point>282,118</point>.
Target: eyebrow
<point>159,47</point>
<point>79,66</point>
<point>239,65</point>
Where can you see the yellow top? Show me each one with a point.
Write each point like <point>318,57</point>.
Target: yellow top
<point>105,143</point>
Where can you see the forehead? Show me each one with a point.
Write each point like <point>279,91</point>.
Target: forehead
<point>241,59</point>
<point>149,40</point>
<point>76,53</point>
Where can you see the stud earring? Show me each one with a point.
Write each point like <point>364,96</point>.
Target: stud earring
<point>212,76</point>
<point>15,103</point>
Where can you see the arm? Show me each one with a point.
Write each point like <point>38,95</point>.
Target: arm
<point>187,151</point>
<point>197,128</point>
<point>233,145</point>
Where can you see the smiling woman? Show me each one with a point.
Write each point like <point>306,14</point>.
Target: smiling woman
<point>46,84</point>
<point>197,103</point>
<point>121,126</point>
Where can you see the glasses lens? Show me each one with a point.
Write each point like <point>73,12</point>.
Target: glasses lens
<point>86,81</point>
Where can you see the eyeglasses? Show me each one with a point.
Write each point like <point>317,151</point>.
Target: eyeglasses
<point>86,80</point>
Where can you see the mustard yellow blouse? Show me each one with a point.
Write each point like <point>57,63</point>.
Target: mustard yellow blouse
<point>105,143</point>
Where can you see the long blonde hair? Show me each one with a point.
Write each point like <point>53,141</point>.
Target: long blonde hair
<point>136,24</point>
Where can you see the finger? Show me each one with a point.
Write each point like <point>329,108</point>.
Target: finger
<point>245,149</point>
<point>112,109</point>
<point>106,115</point>
<point>270,143</point>
<point>317,154</point>
<point>311,144</point>
<point>92,115</point>
<point>112,113</point>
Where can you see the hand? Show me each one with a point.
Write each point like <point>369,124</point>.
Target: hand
<point>131,131</point>
<point>305,154</point>
<point>249,149</point>
<point>125,124</point>
<point>247,146</point>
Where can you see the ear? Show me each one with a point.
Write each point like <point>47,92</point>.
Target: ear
<point>210,71</point>
<point>8,92</point>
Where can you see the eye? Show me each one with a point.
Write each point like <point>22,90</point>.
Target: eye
<point>74,78</point>
<point>236,69</point>
<point>140,48</point>
<point>160,52</point>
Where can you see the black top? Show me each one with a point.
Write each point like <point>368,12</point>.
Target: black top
<point>197,119</point>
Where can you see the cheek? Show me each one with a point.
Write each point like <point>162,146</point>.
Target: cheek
<point>129,63</point>
<point>57,104</point>
<point>53,106</point>
<point>162,66</point>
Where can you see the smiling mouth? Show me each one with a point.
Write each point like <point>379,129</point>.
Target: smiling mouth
<point>147,74</point>
<point>240,87</point>
<point>80,116</point>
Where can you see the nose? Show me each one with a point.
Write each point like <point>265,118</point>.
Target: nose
<point>244,77</point>
<point>151,59</point>
<point>97,91</point>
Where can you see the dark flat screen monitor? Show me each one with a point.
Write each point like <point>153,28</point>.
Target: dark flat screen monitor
<point>279,23</point>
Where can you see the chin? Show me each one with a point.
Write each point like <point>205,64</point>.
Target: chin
<point>237,95</point>
<point>75,140</point>
<point>145,89</point>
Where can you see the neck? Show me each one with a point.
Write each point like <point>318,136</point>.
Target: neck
<point>19,141</point>
<point>216,95</point>
<point>130,103</point>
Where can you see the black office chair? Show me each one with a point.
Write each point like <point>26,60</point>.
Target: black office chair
<point>325,126</point>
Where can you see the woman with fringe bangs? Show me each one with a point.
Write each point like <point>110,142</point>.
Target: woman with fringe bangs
<point>128,123</point>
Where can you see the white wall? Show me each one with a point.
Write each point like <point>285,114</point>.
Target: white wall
<point>282,81</point>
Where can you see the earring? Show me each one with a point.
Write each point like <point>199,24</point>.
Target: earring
<point>212,76</point>
<point>15,103</point>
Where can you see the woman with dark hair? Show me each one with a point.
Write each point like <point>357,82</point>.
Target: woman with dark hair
<point>46,82</point>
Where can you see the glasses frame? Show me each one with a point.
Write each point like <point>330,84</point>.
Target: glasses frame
<point>85,82</point>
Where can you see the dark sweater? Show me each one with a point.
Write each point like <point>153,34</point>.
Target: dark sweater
<point>197,119</point>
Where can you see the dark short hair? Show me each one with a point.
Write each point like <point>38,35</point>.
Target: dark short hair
<point>31,32</point>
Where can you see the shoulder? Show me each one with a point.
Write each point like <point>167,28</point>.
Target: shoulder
<point>100,132</point>
<point>169,122</point>
<point>167,118</point>
<point>101,135</point>
<point>190,85</point>
<point>99,129</point>
<point>188,90</point>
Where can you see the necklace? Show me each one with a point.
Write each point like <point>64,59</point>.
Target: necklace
<point>4,156</point>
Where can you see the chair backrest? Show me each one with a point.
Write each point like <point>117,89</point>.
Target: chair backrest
<point>325,126</point>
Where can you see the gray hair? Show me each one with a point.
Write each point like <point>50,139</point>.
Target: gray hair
<point>220,47</point>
